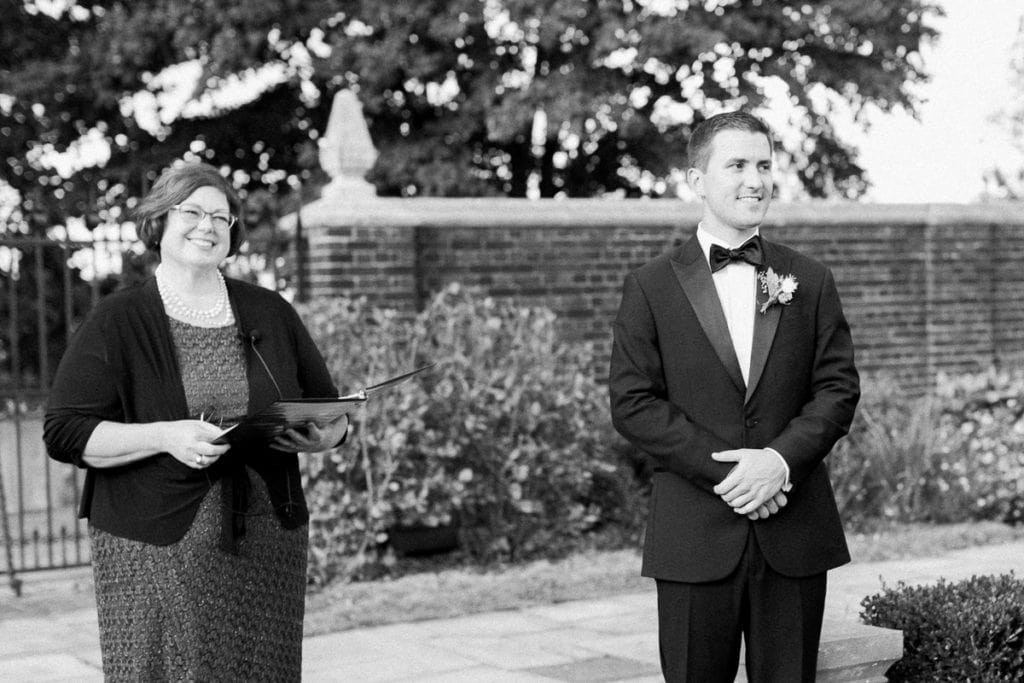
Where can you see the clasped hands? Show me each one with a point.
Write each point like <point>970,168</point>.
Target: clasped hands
<point>754,487</point>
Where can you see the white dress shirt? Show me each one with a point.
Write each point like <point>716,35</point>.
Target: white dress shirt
<point>737,291</point>
<point>736,285</point>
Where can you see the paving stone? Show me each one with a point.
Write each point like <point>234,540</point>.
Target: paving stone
<point>563,642</point>
<point>580,610</point>
<point>847,645</point>
<point>630,622</point>
<point>642,646</point>
<point>597,669</point>
<point>505,622</point>
<point>49,668</point>
<point>501,652</point>
<point>409,660</point>
<point>480,674</point>
<point>354,650</point>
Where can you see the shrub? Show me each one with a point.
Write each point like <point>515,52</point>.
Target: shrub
<point>953,456</point>
<point>987,412</point>
<point>508,435</point>
<point>897,464</point>
<point>967,631</point>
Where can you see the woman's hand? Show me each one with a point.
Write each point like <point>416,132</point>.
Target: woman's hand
<point>189,442</point>
<point>113,444</point>
<point>313,438</point>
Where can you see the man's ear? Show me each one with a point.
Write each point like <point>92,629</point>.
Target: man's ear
<point>695,179</point>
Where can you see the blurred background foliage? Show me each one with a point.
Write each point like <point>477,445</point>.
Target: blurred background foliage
<point>505,439</point>
<point>463,97</point>
<point>955,455</point>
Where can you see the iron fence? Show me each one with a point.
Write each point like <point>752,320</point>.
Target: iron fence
<point>47,286</point>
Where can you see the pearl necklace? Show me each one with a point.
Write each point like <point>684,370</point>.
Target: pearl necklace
<point>176,306</point>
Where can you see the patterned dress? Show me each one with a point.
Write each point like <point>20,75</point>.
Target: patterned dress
<point>190,611</point>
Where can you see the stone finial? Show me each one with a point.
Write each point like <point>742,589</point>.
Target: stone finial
<point>346,150</point>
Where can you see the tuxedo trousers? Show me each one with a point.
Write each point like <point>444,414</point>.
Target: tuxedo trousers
<point>779,618</point>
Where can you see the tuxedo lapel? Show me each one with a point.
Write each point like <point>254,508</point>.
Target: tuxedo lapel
<point>694,275</point>
<point>767,323</point>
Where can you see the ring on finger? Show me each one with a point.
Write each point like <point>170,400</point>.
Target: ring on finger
<point>199,459</point>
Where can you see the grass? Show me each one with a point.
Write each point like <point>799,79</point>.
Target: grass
<point>904,541</point>
<point>457,591</point>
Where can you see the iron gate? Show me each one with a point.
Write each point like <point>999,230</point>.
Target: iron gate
<point>45,289</point>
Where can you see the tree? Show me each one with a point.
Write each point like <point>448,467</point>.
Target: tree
<point>1002,182</point>
<point>463,97</point>
<point>454,90</point>
<point>112,74</point>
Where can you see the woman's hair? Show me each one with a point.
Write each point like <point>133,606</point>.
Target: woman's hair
<point>173,187</point>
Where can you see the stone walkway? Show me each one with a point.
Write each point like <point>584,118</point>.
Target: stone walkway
<point>50,633</point>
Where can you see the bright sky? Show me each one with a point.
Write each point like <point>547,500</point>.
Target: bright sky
<point>941,158</point>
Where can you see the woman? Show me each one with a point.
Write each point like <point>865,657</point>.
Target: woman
<point>199,549</point>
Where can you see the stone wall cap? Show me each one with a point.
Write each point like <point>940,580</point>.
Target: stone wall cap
<point>488,212</point>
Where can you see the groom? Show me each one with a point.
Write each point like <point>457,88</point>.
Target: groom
<point>732,367</point>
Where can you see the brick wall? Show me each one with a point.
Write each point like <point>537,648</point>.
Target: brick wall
<point>925,287</point>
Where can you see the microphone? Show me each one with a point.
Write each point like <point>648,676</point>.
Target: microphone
<point>253,336</point>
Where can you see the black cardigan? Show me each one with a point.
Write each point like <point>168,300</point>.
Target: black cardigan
<point>121,366</point>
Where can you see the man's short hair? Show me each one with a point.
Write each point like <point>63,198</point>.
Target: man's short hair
<point>698,150</point>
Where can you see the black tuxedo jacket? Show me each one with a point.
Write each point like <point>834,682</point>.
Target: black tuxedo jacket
<point>677,393</point>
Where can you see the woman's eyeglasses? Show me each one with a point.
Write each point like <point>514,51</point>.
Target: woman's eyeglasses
<point>192,215</point>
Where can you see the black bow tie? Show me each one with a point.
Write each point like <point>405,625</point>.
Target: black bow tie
<point>750,252</point>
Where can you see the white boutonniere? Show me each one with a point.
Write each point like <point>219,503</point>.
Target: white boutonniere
<point>779,288</point>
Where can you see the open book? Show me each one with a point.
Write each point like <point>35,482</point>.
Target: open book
<point>296,413</point>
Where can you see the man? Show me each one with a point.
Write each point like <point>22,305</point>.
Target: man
<point>732,367</point>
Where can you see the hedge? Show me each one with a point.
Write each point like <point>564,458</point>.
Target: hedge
<point>967,631</point>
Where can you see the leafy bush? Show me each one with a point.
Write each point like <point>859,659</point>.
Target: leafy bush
<point>987,412</point>
<point>967,631</point>
<point>955,455</point>
<point>508,436</point>
<point>896,464</point>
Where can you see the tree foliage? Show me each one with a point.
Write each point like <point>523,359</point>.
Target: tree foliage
<point>619,83</point>
<point>1002,182</point>
<point>133,87</point>
<point>463,97</point>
